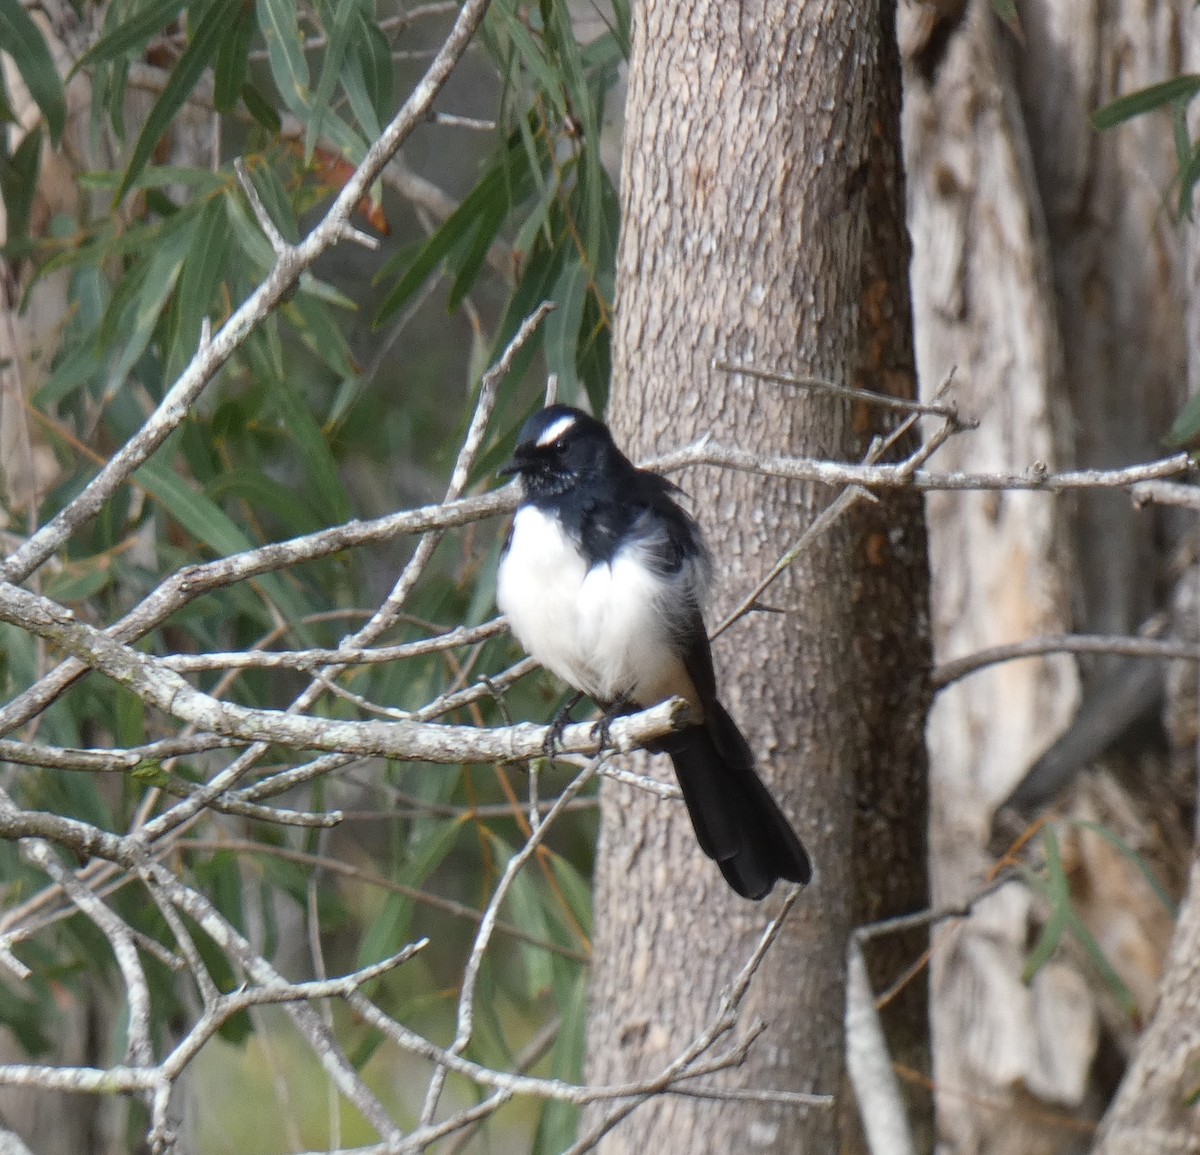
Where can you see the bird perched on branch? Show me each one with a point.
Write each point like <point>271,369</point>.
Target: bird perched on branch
<point>603,580</point>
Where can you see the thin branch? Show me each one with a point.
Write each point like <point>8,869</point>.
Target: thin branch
<point>869,396</point>
<point>278,243</point>
<point>1035,477</point>
<point>1130,647</point>
<point>466,1001</point>
<point>347,870</point>
<point>311,659</point>
<point>414,741</point>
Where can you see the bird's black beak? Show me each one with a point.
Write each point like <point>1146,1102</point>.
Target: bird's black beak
<point>520,461</point>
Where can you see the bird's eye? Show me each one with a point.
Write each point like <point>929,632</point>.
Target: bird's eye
<point>560,447</point>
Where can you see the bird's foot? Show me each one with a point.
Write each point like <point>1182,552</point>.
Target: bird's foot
<point>558,724</point>
<point>612,712</point>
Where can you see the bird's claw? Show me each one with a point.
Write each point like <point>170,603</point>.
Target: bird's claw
<point>600,731</point>
<point>558,724</point>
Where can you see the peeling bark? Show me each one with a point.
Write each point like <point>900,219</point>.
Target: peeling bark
<point>1047,275</point>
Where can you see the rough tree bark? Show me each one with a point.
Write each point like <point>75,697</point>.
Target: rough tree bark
<point>762,209</point>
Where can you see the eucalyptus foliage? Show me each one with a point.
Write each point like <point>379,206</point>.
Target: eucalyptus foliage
<point>349,399</point>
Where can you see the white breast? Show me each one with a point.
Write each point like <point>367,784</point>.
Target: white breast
<point>602,629</point>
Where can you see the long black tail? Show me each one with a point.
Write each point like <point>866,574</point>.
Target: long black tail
<point>736,820</point>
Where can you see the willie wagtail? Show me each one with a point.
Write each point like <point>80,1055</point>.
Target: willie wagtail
<point>603,580</point>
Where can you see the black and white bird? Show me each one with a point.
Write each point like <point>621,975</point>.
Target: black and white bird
<point>603,580</point>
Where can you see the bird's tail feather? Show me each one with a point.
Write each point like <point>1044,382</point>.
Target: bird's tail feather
<point>736,820</point>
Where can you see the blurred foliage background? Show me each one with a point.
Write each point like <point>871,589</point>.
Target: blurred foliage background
<point>350,401</point>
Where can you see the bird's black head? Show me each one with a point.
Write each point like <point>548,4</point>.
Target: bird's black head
<point>559,447</point>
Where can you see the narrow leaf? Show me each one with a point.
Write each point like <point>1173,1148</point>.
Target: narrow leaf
<point>140,317</point>
<point>127,32</point>
<point>1145,100</point>
<point>199,515</point>
<point>345,20</point>
<point>285,52</point>
<point>233,57</point>
<point>18,184</point>
<point>327,492</point>
<point>562,326</point>
<point>1186,429</point>
<point>23,41</point>
<point>202,47</point>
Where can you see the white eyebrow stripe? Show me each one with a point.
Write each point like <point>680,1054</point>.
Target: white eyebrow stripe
<point>555,431</point>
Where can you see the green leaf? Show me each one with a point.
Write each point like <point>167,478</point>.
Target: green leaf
<point>18,184</point>
<point>538,219</point>
<point>262,492</point>
<point>200,516</point>
<point>255,249</point>
<point>209,524</point>
<point>199,180</point>
<point>526,903</point>
<point>233,58</point>
<point>7,115</point>
<point>577,891</point>
<point>28,1019</point>
<point>151,773</point>
<point>1006,10</point>
<point>126,33</point>
<point>203,43</point>
<point>367,77</point>
<point>467,234</point>
<point>322,333</point>
<point>346,16</point>
<point>275,199</point>
<point>79,581</point>
<point>531,56</point>
<point>1108,973</point>
<point>389,931</point>
<point>1189,175</point>
<point>585,111</point>
<point>1133,857</point>
<point>1145,100</point>
<point>285,52</point>
<point>559,1121</point>
<point>561,339</point>
<point>1186,427</point>
<point>139,317</point>
<point>1057,891</point>
<point>261,109</point>
<point>203,273</point>
<point>23,41</point>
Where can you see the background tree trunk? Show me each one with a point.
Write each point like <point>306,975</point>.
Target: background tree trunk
<point>762,224</point>
<point>1047,275</point>
<point>1155,1109</point>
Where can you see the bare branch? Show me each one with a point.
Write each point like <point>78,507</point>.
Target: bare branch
<point>1035,477</point>
<point>1131,647</point>
<point>416,741</point>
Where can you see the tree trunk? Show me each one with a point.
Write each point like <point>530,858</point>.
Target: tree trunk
<point>1046,275</point>
<point>1156,1112</point>
<point>762,210</point>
